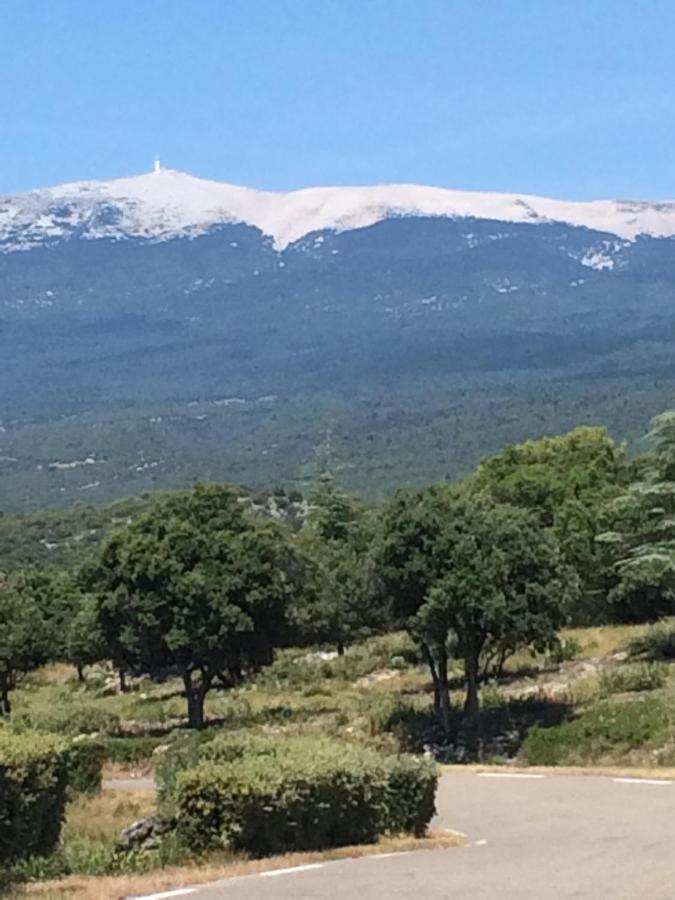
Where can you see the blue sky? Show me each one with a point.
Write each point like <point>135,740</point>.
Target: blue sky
<point>572,99</point>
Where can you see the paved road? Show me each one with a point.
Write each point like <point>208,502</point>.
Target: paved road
<point>532,838</point>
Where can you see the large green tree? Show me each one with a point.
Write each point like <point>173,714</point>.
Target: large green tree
<point>196,587</point>
<point>639,540</point>
<point>338,537</point>
<point>459,563</point>
<point>566,481</point>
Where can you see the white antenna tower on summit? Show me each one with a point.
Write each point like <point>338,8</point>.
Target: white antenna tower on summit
<point>158,166</point>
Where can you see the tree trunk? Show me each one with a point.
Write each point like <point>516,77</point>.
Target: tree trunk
<point>195,695</point>
<point>123,680</point>
<point>5,705</point>
<point>443,692</point>
<point>471,704</point>
<point>428,658</point>
<point>80,673</point>
<point>340,648</point>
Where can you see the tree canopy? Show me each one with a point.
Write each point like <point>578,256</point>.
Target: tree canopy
<point>196,587</point>
<point>640,536</point>
<point>460,563</point>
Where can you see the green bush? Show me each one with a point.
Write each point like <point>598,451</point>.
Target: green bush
<point>389,713</point>
<point>641,677</point>
<point>33,785</point>
<point>301,794</point>
<point>186,751</point>
<point>85,766</point>
<point>565,650</point>
<point>657,643</point>
<point>69,719</point>
<point>131,750</point>
<point>604,729</point>
<point>183,752</point>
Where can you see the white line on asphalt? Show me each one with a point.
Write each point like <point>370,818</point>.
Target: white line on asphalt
<point>291,869</point>
<point>387,855</point>
<point>480,843</point>
<point>458,833</point>
<point>177,893</point>
<point>642,781</point>
<point>509,775</point>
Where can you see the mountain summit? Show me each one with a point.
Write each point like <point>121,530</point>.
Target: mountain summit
<point>163,329</point>
<point>167,203</point>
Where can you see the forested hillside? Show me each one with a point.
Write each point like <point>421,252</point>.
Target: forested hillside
<point>419,344</point>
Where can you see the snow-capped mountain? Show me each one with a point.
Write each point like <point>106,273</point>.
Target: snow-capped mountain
<point>163,329</point>
<point>166,203</point>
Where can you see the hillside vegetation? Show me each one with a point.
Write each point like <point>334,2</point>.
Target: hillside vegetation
<point>420,344</point>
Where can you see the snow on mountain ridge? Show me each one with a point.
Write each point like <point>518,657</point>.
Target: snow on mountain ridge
<point>168,203</point>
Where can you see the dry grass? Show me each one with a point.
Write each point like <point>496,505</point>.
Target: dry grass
<point>127,771</point>
<point>113,888</point>
<point>107,813</point>
<point>604,640</point>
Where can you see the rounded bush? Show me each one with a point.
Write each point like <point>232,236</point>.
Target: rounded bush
<point>85,766</point>
<point>301,794</point>
<point>33,786</point>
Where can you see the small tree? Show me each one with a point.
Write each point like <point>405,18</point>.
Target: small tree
<point>85,643</point>
<point>197,588</point>
<point>462,564</point>
<point>338,537</point>
<point>25,638</point>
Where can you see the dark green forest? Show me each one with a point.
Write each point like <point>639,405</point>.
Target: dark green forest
<point>419,345</point>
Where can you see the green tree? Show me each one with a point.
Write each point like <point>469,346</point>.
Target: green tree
<point>338,538</point>
<point>567,482</point>
<point>196,587</point>
<point>458,563</point>
<point>640,536</point>
<point>26,638</point>
<point>85,642</point>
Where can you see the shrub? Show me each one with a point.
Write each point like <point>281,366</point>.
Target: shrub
<point>564,650</point>
<point>85,766</point>
<point>389,713</point>
<point>69,719</point>
<point>644,677</point>
<point>187,751</point>
<point>658,642</point>
<point>184,752</point>
<point>411,790</point>
<point>130,750</point>
<point>33,783</point>
<point>603,729</point>
<point>302,794</point>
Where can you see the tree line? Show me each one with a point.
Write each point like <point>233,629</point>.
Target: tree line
<point>558,531</point>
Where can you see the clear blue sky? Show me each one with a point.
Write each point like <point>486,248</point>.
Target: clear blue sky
<point>571,99</point>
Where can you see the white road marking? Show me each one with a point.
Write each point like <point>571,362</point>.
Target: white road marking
<point>177,893</point>
<point>387,855</point>
<point>458,833</point>
<point>509,775</point>
<point>480,843</point>
<point>642,780</point>
<point>291,869</point>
